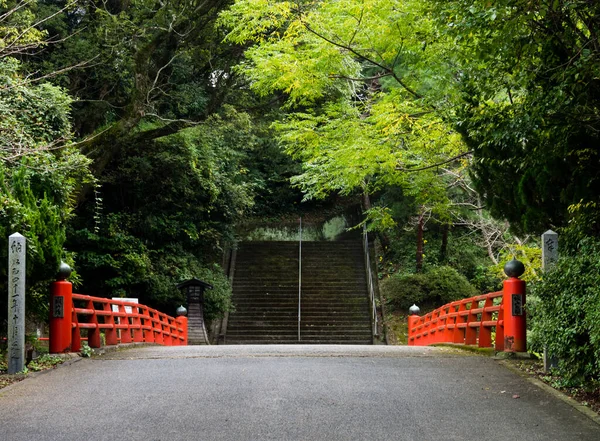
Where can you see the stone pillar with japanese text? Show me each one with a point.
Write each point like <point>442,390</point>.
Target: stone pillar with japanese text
<point>549,258</point>
<point>16,303</point>
<point>549,249</point>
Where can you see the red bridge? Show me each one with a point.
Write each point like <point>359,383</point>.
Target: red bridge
<point>494,320</point>
<point>72,315</point>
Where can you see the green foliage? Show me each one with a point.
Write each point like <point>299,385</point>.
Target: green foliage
<point>484,280</point>
<point>530,256</point>
<point>44,362</point>
<point>86,351</point>
<point>529,81</point>
<point>462,253</point>
<point>119,265</point>
<point>40,170</point>
<point>17,30</point>
<point>434,288</point>
<point>217,301</point>
<point>166,212</point>
<point>566,316</point>
<point>584,221</point>
<point>375,88</point>
<point>356,115</point>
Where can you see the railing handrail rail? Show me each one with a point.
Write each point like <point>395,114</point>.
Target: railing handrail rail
<point>455,323</point>
<point>141,324</point>
<point>299,278</point>
<point>117,302</point>
<point>371,287</point>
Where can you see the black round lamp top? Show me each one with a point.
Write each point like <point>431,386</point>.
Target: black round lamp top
<point>514,268</point>
<point>64,271</point>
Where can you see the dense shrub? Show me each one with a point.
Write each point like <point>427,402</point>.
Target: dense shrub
<point>434,288</point>
<point>566,316</point>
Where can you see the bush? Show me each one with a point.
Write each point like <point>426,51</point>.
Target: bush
<point>567,316</point>
<point>432,289</point>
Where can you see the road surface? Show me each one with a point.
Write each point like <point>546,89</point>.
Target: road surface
<point>302,393</point>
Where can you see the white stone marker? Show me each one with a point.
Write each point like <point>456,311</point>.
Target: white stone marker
<point>549,258</point>
<point>16,303</point>
<point>549,249</point>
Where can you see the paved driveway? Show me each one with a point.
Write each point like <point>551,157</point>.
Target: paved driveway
<point>286,393</point>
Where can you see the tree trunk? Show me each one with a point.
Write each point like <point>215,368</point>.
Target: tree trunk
<point>366,201</point>
<point>420,226</point>
<point>444,247</point>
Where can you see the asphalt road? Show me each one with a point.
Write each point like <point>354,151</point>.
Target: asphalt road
<point>303,393</point>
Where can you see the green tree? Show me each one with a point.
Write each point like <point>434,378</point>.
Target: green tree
<point>166,210</point>
<point>365,87</point>
<point>170,156</point>
<point>358,114</point>
<point>41,170</point>
<point>566,318</point>
<point>528,76</point>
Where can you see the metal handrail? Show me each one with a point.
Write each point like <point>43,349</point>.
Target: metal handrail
<point>370,281</point>
<point>299,277</point>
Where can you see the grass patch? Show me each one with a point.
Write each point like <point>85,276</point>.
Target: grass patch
<point>42,363</point>
<point>397,328</point>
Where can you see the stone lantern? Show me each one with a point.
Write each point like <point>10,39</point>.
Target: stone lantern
<point>194,290</point>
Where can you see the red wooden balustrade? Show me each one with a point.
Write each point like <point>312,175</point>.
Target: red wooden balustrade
<point>131,323</point>
<point>76,317</point>
<point>470,321</point>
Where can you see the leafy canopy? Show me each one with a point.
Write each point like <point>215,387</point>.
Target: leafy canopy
<point>361,96</point>
<point>40,168</point>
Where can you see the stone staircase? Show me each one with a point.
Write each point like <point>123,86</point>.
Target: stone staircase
<point>196,329</point>
<point>335,304</point>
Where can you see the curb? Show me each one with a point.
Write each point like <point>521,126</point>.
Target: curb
<point>69,358</point>
<point>555,393</point>
<point>74,357</point>
<point>120,347</point>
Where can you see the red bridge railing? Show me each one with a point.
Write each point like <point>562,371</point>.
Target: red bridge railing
<point>470,321</point>
<point>77,317</point>
<point>473,321</point>
<point>123,322</point>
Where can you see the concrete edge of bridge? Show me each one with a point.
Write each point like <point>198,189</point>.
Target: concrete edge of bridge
<point>120,347</point>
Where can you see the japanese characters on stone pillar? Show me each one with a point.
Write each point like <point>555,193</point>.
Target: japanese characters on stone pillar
<point>549,258</point>
<point>549,249</point>
<point>16,303</point>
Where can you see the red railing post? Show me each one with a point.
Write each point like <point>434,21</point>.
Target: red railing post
<point>147,325</point>
<point>157,328</point>
<point>499,343</point>
<point>413,319</point>
<point>61,307</point>
<point>138,332</point>
<point>110,333</point>
<point>458,336</point>
<point>124,322</point>
<point>485,332</point>
<point>168,325</point>
<point>515,327</point>
<point>183,322</point>
<point>94,340</point>
<point>470,330</point>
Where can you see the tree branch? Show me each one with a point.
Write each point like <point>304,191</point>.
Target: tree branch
<point>435,165</point>
<point>365,58</point>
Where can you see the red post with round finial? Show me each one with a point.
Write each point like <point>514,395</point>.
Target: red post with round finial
<point>513,300</point>
<point>61,311</point>
<point>413,319</point>
<point>182,321</point>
